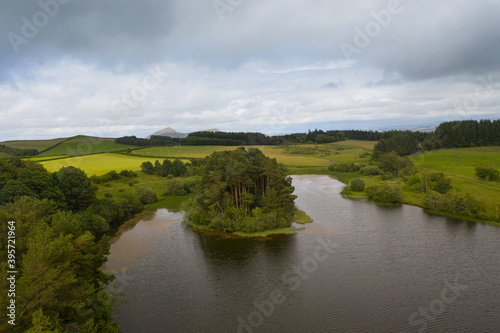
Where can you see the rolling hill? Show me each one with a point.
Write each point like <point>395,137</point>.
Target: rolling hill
<point>84,145</point>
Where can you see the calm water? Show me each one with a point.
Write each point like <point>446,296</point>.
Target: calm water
<point>358,268</point>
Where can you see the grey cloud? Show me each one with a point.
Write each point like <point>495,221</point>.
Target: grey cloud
<point>264,58</point>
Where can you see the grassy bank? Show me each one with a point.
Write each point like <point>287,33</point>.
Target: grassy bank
<point>300,217</point>
<point>458,165</point>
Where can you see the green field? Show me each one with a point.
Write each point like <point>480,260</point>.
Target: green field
<point>460,161</point>
<point>3,155</point>
<point>99,164</point>
<point>459,165</point>
<point>33,144</point>
<point>85,145</point>
<point>277,152</point>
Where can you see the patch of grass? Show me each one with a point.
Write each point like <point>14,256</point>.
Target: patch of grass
<point>99,164</point>
<point>172,203</point>
<point>33,144</point>
<point>264,235</point>
<point>368,145</point>
<point>460,161</point>
<point>4,155</point>
<point>459,164</point>
<point>267,233</point>
<point>301,217</point>
<point>156,183</point>
<point>85,145</point>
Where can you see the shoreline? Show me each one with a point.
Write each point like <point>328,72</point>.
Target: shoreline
<point>350,196</point>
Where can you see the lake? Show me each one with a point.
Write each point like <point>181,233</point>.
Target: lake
<point>358,267</point>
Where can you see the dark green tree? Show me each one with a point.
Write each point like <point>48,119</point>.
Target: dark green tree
<point>78,190</point>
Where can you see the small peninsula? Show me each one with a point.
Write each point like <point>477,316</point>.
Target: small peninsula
<point>242,191</point>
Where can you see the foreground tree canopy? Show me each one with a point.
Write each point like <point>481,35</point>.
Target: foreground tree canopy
<point>242,190</point>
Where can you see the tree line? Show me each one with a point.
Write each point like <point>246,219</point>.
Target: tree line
<point>154,140</point>
<point>467,133</point>
<point>249,139</point>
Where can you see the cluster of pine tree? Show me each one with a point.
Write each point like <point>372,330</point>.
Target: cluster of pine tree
<point>402,142</point>
<point>175,168</point>
<point>154,140</point>
<point>242,190</point>
<point>468,133</point>
<point>225,139</point>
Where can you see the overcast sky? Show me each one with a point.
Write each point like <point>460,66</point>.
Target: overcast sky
<point>123,67</point>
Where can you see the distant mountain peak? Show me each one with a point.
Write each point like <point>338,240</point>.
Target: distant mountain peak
<point>169,131</point>
<point>211,130</point>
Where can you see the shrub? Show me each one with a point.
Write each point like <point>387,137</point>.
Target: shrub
<point>146,195</point>
<point>344,167</point>
<point>487,173</point>
<point>365,154</point>
<point>440,183</point>
<point>453,202</point>
<point>385,193</point>
<point>371,170</point>
<point>128,173</point>
<point>357,185</point>
<point>371,191</point>
<point>174,187</point>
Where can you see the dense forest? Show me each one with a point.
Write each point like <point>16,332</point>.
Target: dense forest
<point>468,133</point>
<point>242,190</point>
<point>248,139</point>
<point>60,244</point>
<point>154,140</point>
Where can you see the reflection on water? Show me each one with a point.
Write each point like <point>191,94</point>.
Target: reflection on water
<point>387,266</point>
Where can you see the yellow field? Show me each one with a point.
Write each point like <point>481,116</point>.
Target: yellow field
<point>100,164</point>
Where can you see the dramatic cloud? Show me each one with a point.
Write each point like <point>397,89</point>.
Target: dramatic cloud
<point>122,67</point>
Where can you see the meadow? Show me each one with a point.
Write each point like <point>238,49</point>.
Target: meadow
<point>99,164</point>
<point>459,164</point>
<point>85,145</point>
<point>460,161</point>
<point>277,152</point>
